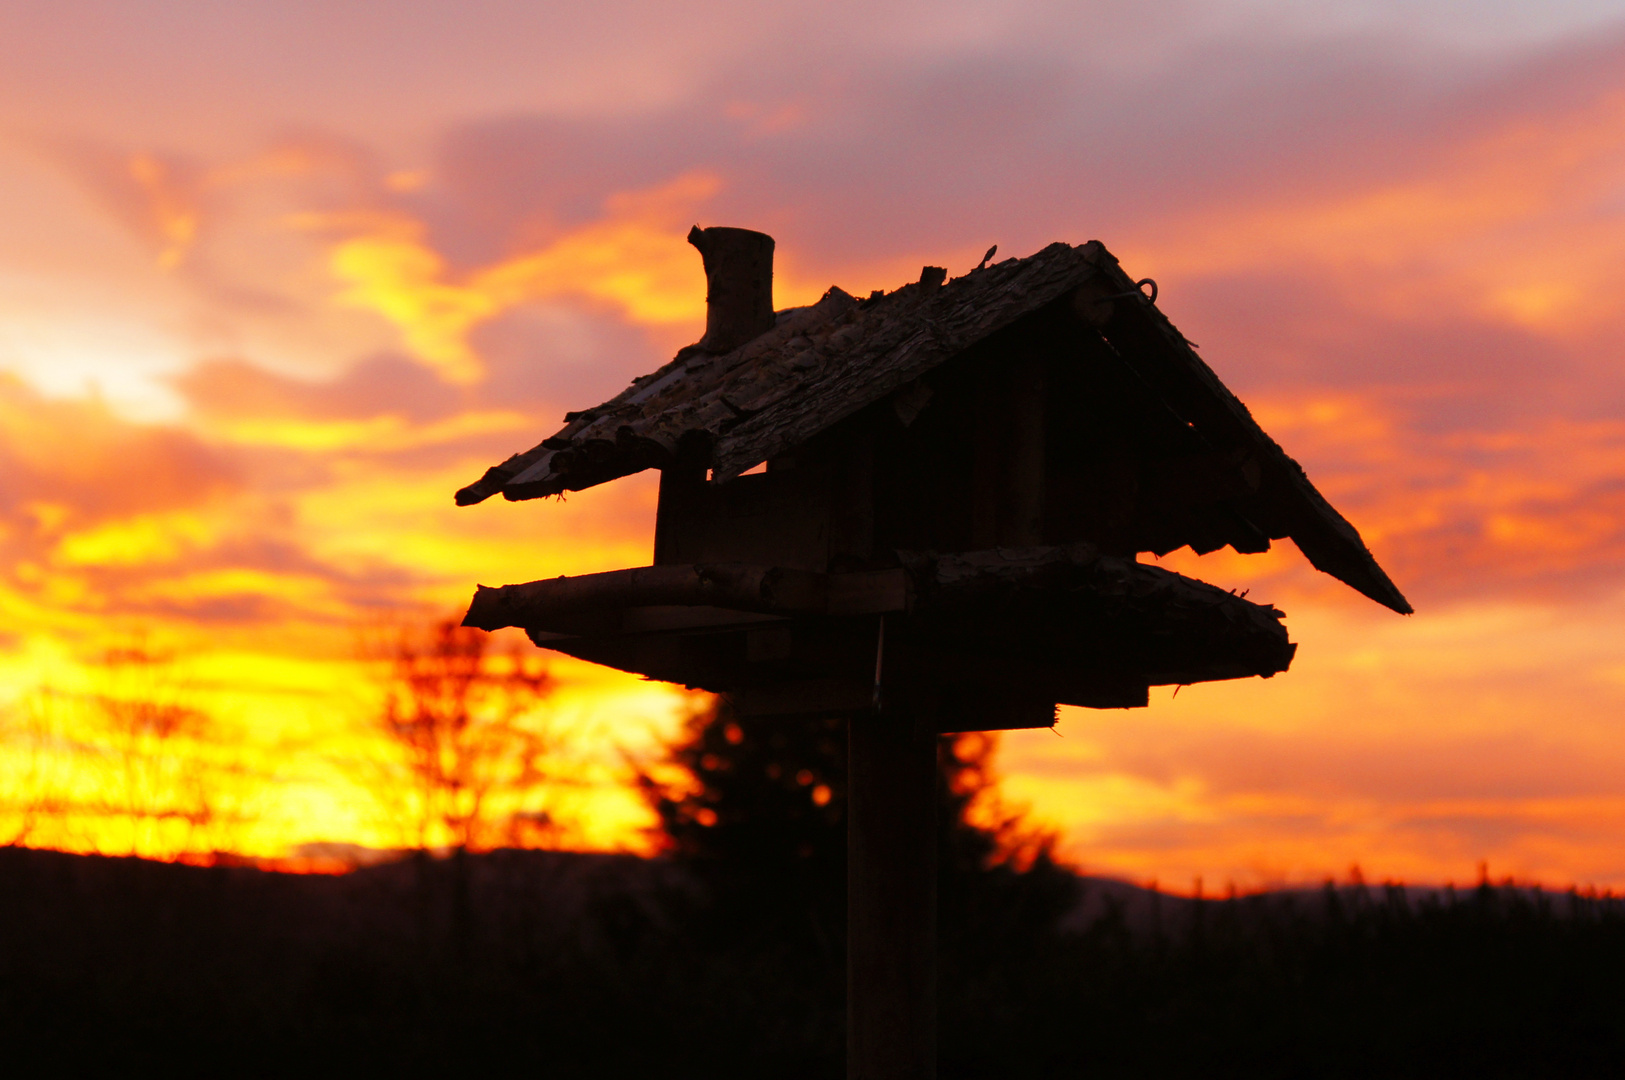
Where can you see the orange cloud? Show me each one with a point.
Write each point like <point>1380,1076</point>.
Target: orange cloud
<point>633,260</point>
<point>79,458</point>
<point>386,433</point>
<point>174,211</point>
<point>1517,225</point>
<point>1405,746</point>
<point>1533,510</point>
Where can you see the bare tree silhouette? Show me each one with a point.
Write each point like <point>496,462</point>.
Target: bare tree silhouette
<point>128,766</point>
<point>144,720</point>
<point>474,740</point>
<point>32,789</point>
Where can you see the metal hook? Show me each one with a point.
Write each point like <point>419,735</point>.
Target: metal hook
<point>1138,292</point>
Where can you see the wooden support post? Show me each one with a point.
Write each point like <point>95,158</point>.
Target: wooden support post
<point>891,977</point>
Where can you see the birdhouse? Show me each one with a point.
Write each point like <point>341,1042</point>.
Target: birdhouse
<point>923,510</point>
<point>979,460</point>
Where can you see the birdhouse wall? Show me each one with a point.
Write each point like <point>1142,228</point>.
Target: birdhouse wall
<point>994,458</point>
<point>813,509</point>
<point>1042,435</point>
<point>776,518</point>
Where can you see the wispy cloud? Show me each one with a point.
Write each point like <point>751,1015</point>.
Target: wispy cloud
<point>629,260</point>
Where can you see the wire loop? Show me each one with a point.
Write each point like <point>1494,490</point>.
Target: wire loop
<point>1138,292</point>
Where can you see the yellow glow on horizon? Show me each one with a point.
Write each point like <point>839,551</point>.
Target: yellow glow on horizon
<point>282,756</point>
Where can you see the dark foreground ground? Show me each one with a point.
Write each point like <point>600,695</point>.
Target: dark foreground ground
<point>579,965</point>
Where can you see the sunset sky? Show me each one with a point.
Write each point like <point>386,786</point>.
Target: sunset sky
<point>277,278</point>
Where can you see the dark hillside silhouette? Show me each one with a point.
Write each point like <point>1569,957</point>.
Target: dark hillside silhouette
<point>723,958</point>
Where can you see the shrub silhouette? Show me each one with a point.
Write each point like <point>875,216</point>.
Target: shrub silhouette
<point>757,809</point>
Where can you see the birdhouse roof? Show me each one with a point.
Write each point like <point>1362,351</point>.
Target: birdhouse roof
<point>825,362</point>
